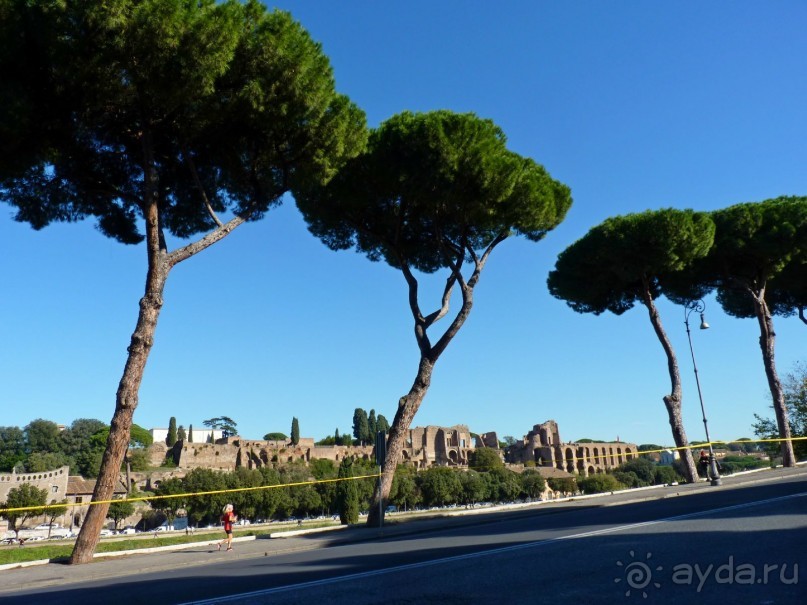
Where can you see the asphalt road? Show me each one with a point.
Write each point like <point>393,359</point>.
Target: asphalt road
<point>739,543</point>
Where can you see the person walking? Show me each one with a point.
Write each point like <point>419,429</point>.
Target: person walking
<point>228,517</point>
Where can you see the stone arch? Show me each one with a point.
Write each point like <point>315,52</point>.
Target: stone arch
<point>581,466</point>
<point>591,470</point>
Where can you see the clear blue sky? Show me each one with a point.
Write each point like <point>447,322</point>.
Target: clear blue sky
<point>635,105</point>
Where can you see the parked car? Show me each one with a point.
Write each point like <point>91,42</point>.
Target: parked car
<point>47,526</point>
<point>107,532</point>
<point>128,530</point>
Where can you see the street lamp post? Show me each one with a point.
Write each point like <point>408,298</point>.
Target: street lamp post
<point>699,306</point>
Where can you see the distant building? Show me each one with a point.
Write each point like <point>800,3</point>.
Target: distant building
<point>544,447</point>
<point>667,457</point>
<point>60,486</point>
<point>436,445</point>
<point>79,496</point>
<point>54,482</point>
<point>199,435</point>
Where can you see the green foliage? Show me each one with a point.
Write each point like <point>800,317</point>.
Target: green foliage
<point>664,475</point>
<point>42,436</point>
<point>204,509</point>
<point>139,460</point>
<point>169,506</point>
<point>794,386</point>
<point>755,242</point>
<point>38,462</point>
<point>617,263</point>
<point>225,424</point>
<point>119,509</point>
<point>20,497</point>
<point>361,426</point>
<point>405,492</point>
<point>382,424</point>
<point>735,464</point>
<point>336,439</point>
<point>171,438</point>
<point>190,434</point>
<point>181,434</point>
<point>347,495</point>
<point>598,484</point>
<point>504,485</point>
<point>12,447</point>
<point>532,484</point>
<point>295,431</point>
<point>440,486</point>
<point>275,437</point>
<point>484,459</point>
<point>55,509</point>
<point>474,487</point>
<point>213,116</point>
<point>431,178</point>
<point>643,468</point>
<point>372,425</point>
<point>563,485</point>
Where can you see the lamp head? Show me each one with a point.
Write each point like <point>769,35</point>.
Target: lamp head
<point>704,325</point>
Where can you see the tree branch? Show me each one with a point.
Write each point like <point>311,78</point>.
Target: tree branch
<point>420,323</point>
<point>198,182</point>
<point>184,253</point>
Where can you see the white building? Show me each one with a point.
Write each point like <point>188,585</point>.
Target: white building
<point>199,435</point>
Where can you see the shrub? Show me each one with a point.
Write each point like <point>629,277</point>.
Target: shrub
<point>597,484</point>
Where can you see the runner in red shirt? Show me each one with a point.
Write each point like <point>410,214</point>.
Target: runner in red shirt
<point>228,517</point>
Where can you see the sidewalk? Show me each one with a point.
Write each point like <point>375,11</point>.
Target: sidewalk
<point>162,559</point>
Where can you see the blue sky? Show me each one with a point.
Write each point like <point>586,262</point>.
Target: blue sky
<point>634,105</point>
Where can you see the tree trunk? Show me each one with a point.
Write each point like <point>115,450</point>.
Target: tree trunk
<point>142,340</point>
<point>672,401</point>
<point>125,404</point>
<point>407,408</point>
<point>767,340</point>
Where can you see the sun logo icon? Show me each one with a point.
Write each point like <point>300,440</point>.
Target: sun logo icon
<point>638,575</point>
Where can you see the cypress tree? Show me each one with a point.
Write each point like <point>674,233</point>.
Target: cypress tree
<point>181,436</point>
<point>171,439</point>
<point>190,434</point>
<point>383,424</point>
<point>361,426</point>
<point>295,431</point>
<point>347,494</point>
<point>372,427</point>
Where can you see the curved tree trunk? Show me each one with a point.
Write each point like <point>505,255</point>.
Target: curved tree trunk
<point>409,404</point>
<point>767,340</point>
<point>672,401</point>
<point>407,408</point>
<point>127,396</point>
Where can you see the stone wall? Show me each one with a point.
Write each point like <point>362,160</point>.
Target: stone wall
<point>543,446</point>
<point>55,482</point>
